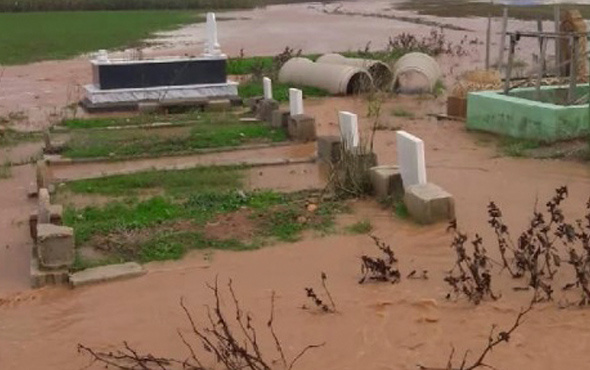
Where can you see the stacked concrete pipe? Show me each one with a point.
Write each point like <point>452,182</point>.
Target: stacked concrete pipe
<point>416,64</point>
<point>379,71</point>
<point>336,79</point>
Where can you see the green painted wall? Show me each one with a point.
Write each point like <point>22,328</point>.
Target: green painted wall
<point>526,119</point>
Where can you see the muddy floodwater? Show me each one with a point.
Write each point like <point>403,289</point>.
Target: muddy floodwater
<point>378,326</point>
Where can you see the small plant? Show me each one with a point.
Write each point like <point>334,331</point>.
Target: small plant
<point>361,227</point>
<point>401,112</point>
<point>233,344</point>
<point>380,269</point>
<point>5,170</point>
<point>471,275</point>
<point>317,301</point>
<point>493,341</point>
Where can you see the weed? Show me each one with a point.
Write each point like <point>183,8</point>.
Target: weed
<point>400,209</point>
<point>517,147</point>
<point>210,132</point>
<point>380,269</point>
<point>317,301</point>
<point>401,112</point>
<point>5,170</point>
<point>360,227</point>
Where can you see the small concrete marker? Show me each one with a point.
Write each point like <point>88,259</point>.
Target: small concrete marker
<point>267,86</point>
<point>349,129</point>
<point>106,273</point>
<point>410,158</point>
<point>44,207</point>
<point>295,101</point>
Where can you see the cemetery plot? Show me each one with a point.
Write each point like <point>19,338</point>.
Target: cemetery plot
<point>205,132</point>
<point>159,215</point>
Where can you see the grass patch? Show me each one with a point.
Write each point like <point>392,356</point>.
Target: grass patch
<point>59,5</point>
<point>400,210</point>
<point>360,227</point>
<point>164,228</point>
<point>280,91</point>
<point>174,182</point>
<point>401,112</point>
<point>60,35</point>
<point>5,170</point>
<point>517,147</point>
<point>141,119</point>
<point>466,8</point>
<point>11,137</point>
<point>212,131</point>
<point>245,66</point>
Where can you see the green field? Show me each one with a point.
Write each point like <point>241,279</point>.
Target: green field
<point>30,37</point>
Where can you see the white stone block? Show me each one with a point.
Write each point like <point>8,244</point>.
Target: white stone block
<point>212,47</point>
<point>295,101</point>
<point>267,86</point>
<point>349,129</point>
<point>410,158</point>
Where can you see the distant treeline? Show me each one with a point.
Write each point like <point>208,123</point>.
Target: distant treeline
<point>65,5</point>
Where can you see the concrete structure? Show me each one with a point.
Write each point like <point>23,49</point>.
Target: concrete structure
<point>333,78</point>
<point>411,64</point>
<point>43,174</point>
<point>43,206</point>
<point>410,158</point>
<point>302,128</point>
<point>106,273</point>
<point>387,182</point>
<point>55,218</point>
<point>329,148</point>
<point>267,88</point>
<point>218,105</point>
<point>349,129</point>
<point>55,246</point>
<point>280,119</point>
<point>429,203</point>
<point>379,71</point>
<point>265,109</point>
<point>41,277</point>
<point>519,116</point>
<point>295,101</point>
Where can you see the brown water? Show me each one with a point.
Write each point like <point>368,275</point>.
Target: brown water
<point>379,326</point>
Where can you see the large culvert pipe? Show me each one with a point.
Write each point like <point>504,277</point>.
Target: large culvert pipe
<point>334,78</point>
<point>379,71</point>
<point>412,64</point>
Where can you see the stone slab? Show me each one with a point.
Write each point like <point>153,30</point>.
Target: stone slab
<point>280,119</point>
<point>106,273</point>
<point>428,203</point>
<point>302,128</point>
<point>410,158</point>
<point>43,174</point>
<point>40,278</point>
<point>329,148</point>
<point>55,246</point>
<point>387,182</point>
<point>55,218</point>
<point>265,109</point>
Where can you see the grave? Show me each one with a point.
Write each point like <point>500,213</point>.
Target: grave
<point>410,157</point>
<point>349,130</point>
<point>268,105</point>
<point>119,84</point>
<point>301,127</point>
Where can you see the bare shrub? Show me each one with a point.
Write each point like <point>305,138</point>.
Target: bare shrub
<point>232,343</point>
<point>327,304</point>
<point>381,269</point>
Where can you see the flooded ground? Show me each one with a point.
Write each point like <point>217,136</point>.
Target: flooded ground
<point>378,327</point>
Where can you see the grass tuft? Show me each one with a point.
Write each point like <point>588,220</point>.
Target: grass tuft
<point>360,227</point>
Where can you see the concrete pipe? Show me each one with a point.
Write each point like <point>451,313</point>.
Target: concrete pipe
<point>379,71</point>
<point>415,72</point>
<point>334,78</point>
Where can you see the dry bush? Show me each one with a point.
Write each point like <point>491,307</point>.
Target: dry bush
<point>380,269</point>
<point>231,338</point>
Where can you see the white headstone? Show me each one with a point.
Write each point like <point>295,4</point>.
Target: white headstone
<point>102,56</point>
<point>349,129</point>
<point>267,85</point>
<point>295,101</point>
<point>212,47</point>
<point>410,158</point>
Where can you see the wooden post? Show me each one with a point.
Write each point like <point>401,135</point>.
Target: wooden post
<point>542,65</point>
<point>542,41</point>
<point>503,38</point>
<point>509,67</point>
<point>488,37</point>
<point>571,96</point>
<point>557,16</point>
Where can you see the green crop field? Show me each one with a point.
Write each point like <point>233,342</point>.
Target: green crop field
<point>30,37</point>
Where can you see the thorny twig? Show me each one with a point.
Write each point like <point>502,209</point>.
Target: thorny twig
<point>380,269</point>
<point>235,350</point>
<point>317,301</point>
<point>493,341</point>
